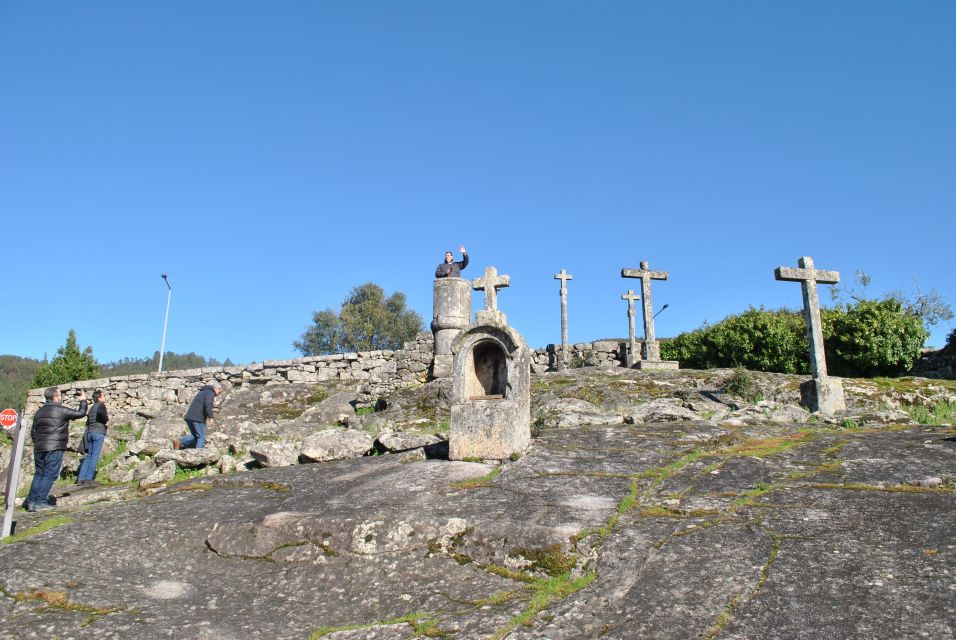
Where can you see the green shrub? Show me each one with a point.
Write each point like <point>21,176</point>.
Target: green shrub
<point>865,339</point>
<point>951,340</point>
<point>742,384</point>
<point>872,338</point>
<point>757,339</point>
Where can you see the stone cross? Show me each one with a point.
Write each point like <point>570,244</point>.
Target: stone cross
<point>652,350</point>
<point>490,284</point>
<point>808,277</point>
<point>632,342</point>
<point>563,276</point>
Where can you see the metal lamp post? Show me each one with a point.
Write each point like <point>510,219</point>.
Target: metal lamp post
<point>661,310</point>
<point>162,347</point>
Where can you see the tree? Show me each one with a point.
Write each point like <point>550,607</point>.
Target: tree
<point>367,321</point>
<point>69,365</point>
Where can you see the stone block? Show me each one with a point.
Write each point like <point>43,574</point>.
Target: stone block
<point>824,395</point>
<point>657,365</point>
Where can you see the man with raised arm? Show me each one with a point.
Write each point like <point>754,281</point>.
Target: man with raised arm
<point>451,269</point>
<point>50,433</point>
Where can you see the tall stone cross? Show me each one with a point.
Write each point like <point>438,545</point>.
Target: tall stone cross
<point>490,284</point>
<point>632,342</point>
<point>563,276</point>
<point>808,277</point>
<point>652,349</point>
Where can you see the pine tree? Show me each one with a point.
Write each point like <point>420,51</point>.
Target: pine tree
<point>69,365</point>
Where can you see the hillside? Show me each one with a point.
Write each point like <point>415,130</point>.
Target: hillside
<point>650,505</point>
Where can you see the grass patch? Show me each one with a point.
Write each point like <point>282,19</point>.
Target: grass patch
<point>37,529</point>
<point>481,481</point>
<point>896,488</point>
<point>552,560</point>
<point>751,496</point>
<point>181,475</point>
<point>760,448</point>
<point>594,395</point>
<point>60,600</point>
<point>412,619</point>
<point>911,383</point>
<point>544,593</point>
<point>942,413</point>
<point>104,460</point>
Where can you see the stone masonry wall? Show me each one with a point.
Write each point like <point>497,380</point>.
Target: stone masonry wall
<point>380,371</point>
<point>151,394</point>
<point>936,364</point>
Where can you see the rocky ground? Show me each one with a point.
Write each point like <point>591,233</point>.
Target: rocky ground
<point>689,504</point>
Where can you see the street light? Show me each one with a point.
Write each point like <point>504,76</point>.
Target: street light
<point>162,347</point>
<point>661,311</point>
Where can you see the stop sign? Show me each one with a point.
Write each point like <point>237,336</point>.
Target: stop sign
<point>8,418</point>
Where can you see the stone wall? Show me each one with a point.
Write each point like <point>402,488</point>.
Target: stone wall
<point>601,353</point>
<point>154,393</point>
<point>936,364</point>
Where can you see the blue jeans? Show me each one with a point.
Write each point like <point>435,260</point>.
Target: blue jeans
<point>196,437</point>
<point>47,465</point>
<point>94,444</point>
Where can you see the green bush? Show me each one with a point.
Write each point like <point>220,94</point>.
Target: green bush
<point>757,339</point>
<point>742,384</point>
<point>951,340</point>
<point>872,338</point>
<point>865,339</point>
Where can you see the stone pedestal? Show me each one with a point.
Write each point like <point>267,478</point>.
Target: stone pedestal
<point>656,364</point>
<point>451,315</point>
<point>491,394</point>
<point>823,394</point>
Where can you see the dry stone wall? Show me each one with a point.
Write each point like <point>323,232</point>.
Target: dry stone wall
<point>936,364</point>
<point>168,392</point>
<point>379,372</point>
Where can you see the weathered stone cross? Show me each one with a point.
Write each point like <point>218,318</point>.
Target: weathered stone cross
<point>490,284</point>
<point>652,350</point>
<point>563,276</point>
<point>808,277</point>
<point>632,342</point>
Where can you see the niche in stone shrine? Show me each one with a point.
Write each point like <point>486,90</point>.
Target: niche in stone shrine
<point>487,378</point>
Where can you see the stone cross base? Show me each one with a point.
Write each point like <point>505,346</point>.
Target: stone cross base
<point>823,394</point>
<point>651,350</point>
<point>656,364</point>
<point>489,429</point>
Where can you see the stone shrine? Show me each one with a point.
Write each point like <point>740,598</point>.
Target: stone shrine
<point>451,315</point>
<point>491,384</point>
<point>652,348</point>
<point>822,393</point>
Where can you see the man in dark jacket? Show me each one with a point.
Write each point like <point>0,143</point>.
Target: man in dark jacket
<point>451,269</point>
<point>199,412</point>
<point>50,432</point>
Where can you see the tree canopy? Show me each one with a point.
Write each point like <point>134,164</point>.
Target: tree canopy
<point>367,321</point>
<point>69,365</point>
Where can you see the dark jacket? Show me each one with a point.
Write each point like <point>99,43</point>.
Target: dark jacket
<point>452,269</point>
<point>200,409</point>
<point>51,425</point>
<point>97,418</point>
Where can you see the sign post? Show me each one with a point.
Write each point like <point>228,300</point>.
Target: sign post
<point>8,419</point>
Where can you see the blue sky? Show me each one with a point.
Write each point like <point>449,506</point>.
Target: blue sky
<point>270,156</point>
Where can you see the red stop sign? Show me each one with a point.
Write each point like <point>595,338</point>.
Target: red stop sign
<point>8,418</point>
